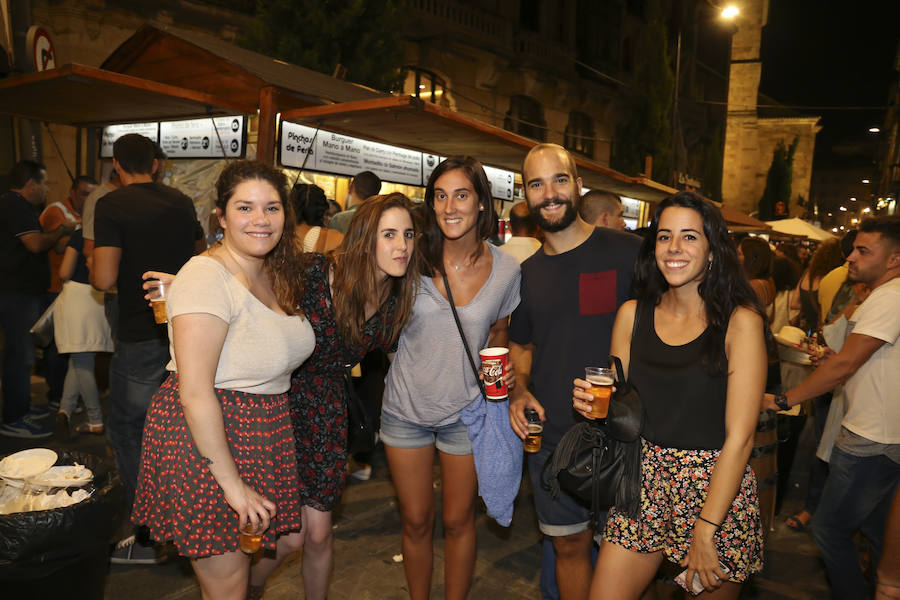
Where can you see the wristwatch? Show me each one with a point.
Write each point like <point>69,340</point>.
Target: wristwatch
<point>781,402</point>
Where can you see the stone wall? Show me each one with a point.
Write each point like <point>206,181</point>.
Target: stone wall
<point>750,140</point>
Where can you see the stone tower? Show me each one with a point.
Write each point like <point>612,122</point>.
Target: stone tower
<point>750,139</point>
<point>741,125</point>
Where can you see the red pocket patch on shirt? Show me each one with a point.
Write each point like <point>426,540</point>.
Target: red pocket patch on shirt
<point>597,293</point>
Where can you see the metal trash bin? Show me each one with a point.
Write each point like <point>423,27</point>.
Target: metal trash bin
<point>63,552</point>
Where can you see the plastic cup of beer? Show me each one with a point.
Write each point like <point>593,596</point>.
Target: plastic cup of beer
<point>158,291</point>
<point>601,380</point>
<point>534,432</point>
<point>251,537</point>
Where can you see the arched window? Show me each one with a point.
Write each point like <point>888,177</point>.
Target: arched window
<point>526,117</point>
<point>425,85</point>
<point>579,135</point>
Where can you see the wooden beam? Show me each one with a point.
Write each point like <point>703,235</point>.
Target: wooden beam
<point>265,139</point>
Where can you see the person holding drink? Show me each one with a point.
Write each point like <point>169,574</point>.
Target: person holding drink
<point>693,344</point>
<point>218,451</point>
<point>431,381</point>
<point>601,380</point>
<point>357,298</point>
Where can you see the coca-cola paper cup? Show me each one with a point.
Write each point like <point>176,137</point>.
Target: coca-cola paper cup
<point>494,363</point>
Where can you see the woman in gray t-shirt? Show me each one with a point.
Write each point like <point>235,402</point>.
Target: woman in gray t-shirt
<point>431,381</point>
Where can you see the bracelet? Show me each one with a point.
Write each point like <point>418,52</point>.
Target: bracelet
<point>716,525</point>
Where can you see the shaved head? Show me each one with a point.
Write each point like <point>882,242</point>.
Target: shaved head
<point>602,209</point>
<point>555,148</point>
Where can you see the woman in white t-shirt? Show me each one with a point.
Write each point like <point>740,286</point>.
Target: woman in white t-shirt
<point>218,451</point>
<point>431,380</point>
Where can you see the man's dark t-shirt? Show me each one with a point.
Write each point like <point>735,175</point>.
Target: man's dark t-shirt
<point>156,227</point>
<point>567,309</point>
<point>20,270</point>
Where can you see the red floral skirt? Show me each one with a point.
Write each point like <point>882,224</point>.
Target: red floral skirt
<point>177,497</point>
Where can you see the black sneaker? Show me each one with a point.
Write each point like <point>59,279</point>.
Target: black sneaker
<point>25,429</point>
<point>130,552</point>
<point>39,412</point>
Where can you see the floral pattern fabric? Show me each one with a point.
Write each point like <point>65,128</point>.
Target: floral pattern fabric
<point>674,486</point>
<point>318,397</point>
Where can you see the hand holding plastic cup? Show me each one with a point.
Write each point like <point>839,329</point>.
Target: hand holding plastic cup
<point>601,380</point>
<point>494,364</point>
<point>251,537</point>
<point>157,291</point>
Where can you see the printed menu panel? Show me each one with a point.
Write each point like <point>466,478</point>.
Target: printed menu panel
<point>113,132</point>
<point>346,155</point>
<point>203,138</point>
<point>303,147</point>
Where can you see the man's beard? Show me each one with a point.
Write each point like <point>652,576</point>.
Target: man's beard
<point>567,218</point>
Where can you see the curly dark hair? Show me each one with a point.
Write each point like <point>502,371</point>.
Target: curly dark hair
<point>433,237</point>
<point>284,264</point>
<point>826,258</point>
<point>757,258</point>
<point>724,288</point>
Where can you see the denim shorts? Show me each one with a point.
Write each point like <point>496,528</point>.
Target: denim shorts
<point>557,517</point>
<point>449,439</point>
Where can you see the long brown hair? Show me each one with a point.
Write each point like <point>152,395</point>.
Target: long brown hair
<point>284,264</point>
<point>826,258</point>
<point>433,237</point>
<point>356,274</point>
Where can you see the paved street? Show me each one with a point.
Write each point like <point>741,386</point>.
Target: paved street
<point>367,549</point>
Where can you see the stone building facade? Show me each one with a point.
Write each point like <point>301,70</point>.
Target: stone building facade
<point>752,132</point>
<point>551,70</point>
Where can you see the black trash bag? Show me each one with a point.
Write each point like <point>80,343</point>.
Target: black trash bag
<point>63,550</point>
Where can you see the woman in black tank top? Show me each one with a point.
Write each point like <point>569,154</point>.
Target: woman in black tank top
<point>693,344</point>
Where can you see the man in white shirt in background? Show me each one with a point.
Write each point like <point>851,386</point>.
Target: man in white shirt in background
<point>524,241</point>
<point>865,463</point>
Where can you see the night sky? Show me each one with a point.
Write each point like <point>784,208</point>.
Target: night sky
<point>831,53</point>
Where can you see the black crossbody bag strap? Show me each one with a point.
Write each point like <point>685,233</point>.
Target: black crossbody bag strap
<point>463,336</point>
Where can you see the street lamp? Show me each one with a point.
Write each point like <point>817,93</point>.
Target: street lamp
<point>874,130</point>
<point>728,14</point>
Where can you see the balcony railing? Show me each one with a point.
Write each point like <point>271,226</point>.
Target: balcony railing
<point>489,26</point>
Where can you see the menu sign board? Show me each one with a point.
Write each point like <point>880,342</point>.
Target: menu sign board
<point>502,183</point>
<point>346,155</point>
<point>193,138</point>
<point>200,138</point>
<point>429,162</point>
<point>303,147</point>
<point>113,132</point>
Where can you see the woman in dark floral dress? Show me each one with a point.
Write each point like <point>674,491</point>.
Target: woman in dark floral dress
<point>357,299</point>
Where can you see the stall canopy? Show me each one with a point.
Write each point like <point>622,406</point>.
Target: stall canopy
<point>83,96</point>
<point>412,123</point>
<point>205,63</point>
<point>800,227</point>
<point>739,220</point>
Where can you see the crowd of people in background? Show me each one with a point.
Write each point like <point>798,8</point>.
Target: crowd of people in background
<point>233,417</point>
